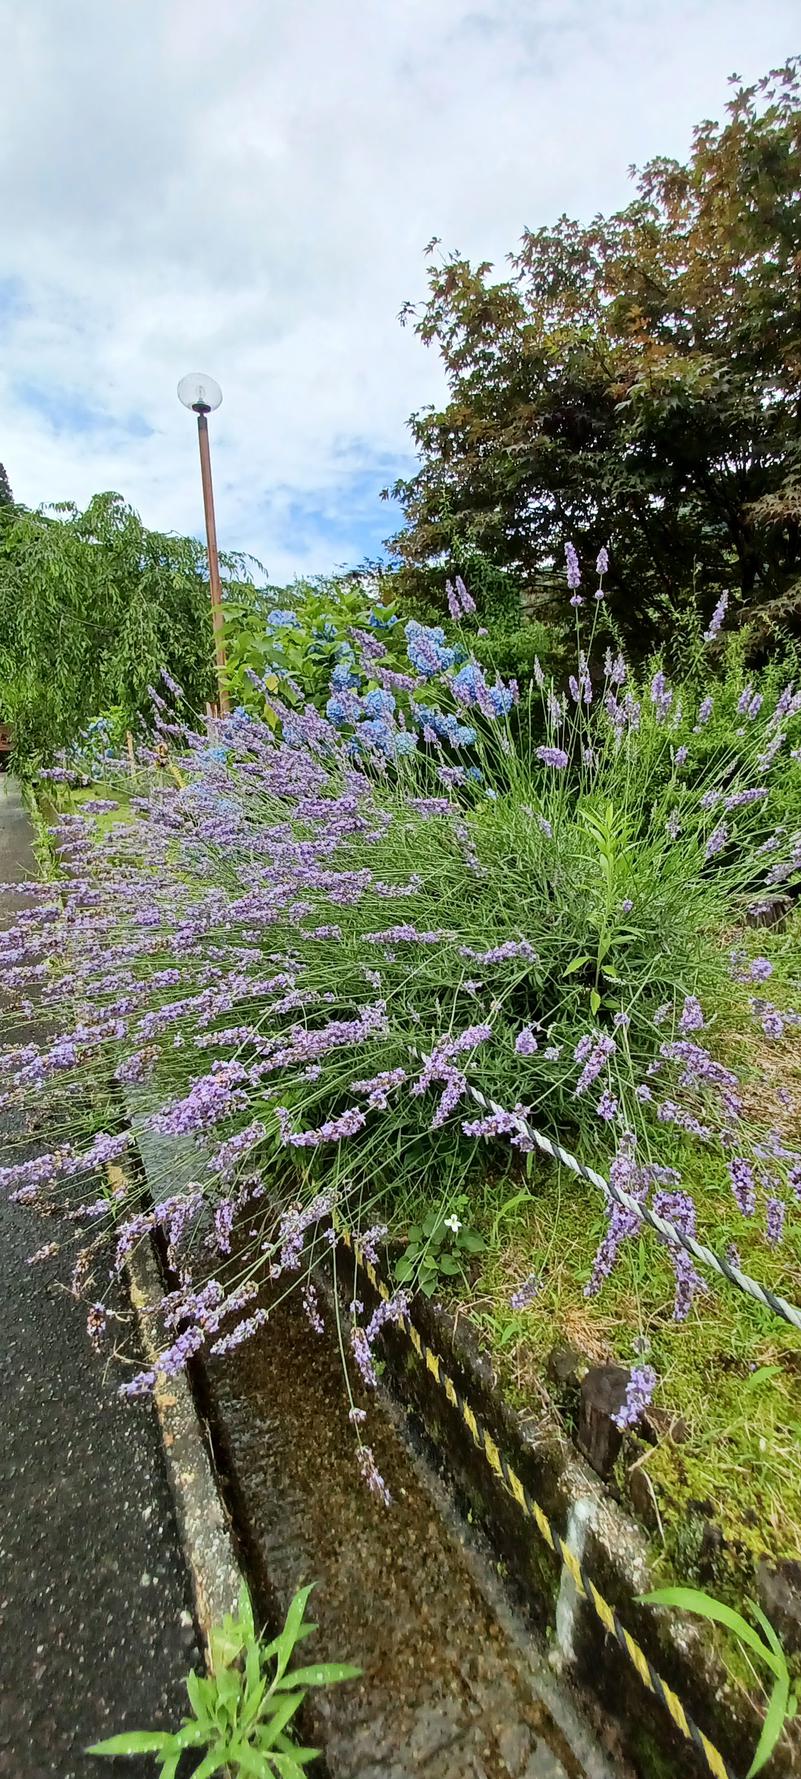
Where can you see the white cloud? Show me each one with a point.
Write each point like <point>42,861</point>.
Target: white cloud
<point>247,191</point>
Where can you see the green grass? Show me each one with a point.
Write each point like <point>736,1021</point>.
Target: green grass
<point>730,1373</point>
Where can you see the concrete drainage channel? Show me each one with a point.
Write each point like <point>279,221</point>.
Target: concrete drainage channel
<point>454,1685</point>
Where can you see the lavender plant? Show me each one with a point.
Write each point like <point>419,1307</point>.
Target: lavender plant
<point>319,935</point>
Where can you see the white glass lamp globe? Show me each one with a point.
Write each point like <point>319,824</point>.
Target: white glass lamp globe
<point>199,392</point>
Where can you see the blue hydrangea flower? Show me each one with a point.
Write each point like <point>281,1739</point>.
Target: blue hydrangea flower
<point>469,682</point>
<point>342,708</point>
<point>446,726</point>
<point>279,619</point>
<point>376,732</point>
<point>343,677</point>
<point>379,704</point>
<point>427,649</point>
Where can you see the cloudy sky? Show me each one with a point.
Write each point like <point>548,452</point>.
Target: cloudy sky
<point>246,189</point>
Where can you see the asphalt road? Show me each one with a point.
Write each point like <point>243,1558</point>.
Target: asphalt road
<point>95,1626</point>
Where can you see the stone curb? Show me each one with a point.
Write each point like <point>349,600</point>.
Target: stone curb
<point>203,1525</point>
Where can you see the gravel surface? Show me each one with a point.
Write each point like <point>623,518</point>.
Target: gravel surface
<point>95,1627</point>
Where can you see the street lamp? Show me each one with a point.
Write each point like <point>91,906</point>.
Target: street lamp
<point>203,395</point>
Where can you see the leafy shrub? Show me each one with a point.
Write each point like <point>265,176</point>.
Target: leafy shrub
<point>298,638</point>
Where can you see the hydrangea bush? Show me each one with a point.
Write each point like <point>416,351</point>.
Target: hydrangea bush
<point>318,936</point>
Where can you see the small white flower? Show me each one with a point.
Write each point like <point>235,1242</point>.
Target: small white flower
<point>453,1223</point>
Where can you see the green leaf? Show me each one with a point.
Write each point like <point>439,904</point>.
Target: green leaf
<point>214,1762</point>
<point>595,1000</point>
<point>705,1606</point>
<point>773,1725</point>
<point>449,1266</point>
<point>287,1766</point>
<point>202,1694</point>
<point>134,1742</point>
<point>288,1637</point>
<point>322,1674</point>
<point>301,1755</point>
<point>246,1611</point>
<point>577,964</point>
<point>761,1376</point>
<point>768,1629</point>
<point>404,1269</point>
<point>249,1760</point>
<point>281,1708</point>
<point>472,1241</point>
<point>253,1701</point>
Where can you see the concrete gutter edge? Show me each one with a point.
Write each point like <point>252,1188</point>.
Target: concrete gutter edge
<point>203,1525</point>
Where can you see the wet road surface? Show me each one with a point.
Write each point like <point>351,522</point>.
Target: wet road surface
<point>95,1627</point>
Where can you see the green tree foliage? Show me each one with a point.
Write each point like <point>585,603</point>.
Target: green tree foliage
<point>92,605</point>
<point>636,381</point>
<point>6,496</point>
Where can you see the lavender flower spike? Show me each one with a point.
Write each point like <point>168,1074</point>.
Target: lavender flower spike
<point>716,620</point>
<point>639,1390</point>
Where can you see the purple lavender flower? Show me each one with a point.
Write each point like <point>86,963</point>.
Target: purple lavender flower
<point>334,1130</point>
<point>553,756</point>
<point>501,954</point>
<point>371,1475</point>
<point>572,569</point>
<point>717,841</point>
<point>607,1107</point>
<point>772,1023</point>
<point>594,1051</point>
<point>525,1042</point>
<point>691,1018</point>
<point>523,1297</point>
<point>639,1390</point>
<point>243,1331</point>
<point>774,1224</point>
<point>454,607</point>
<point>661,696</point>
<point>311,1308</point>
<point>717,618</point>
<point>468,602</point>
<point>678,1208</point>
<point>602,561</point>
<point>743,1183</point>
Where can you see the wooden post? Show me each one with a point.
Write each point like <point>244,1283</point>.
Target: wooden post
<point>214,561</point>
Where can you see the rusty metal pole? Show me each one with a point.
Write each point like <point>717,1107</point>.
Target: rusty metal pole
<point>214,563</point>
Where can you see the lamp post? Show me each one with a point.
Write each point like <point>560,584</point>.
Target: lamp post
<point>203,395</point>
